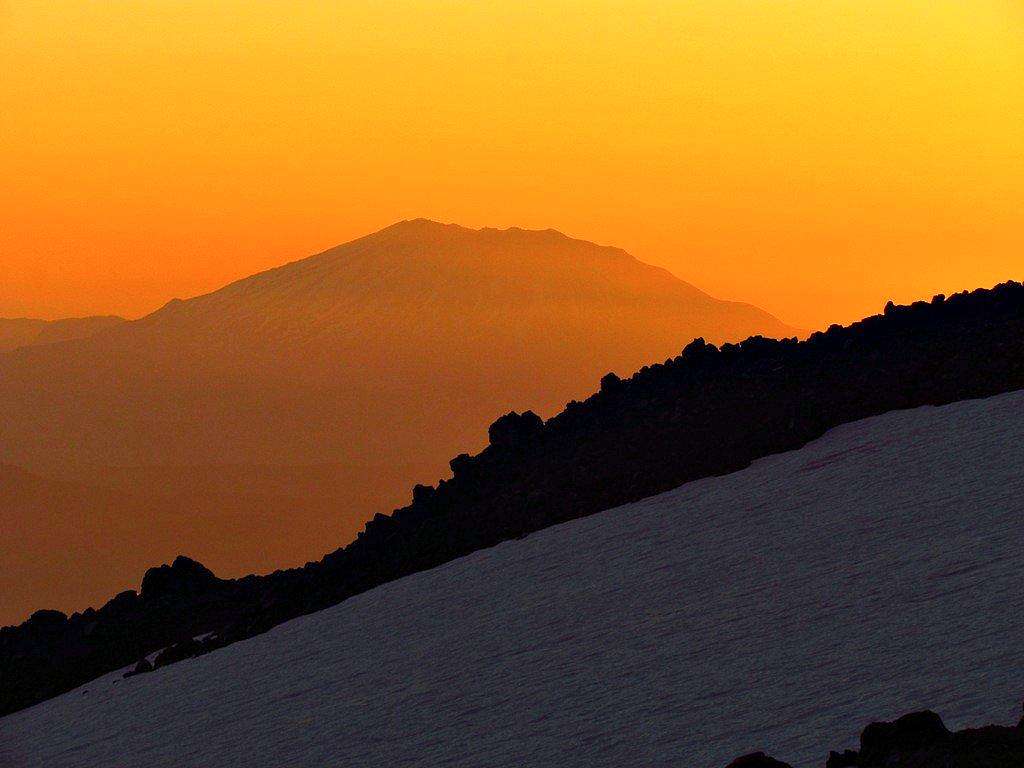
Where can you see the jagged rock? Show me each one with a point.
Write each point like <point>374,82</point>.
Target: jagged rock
<point>461,464</point>
<point>47,620</point>
<point>893,743</point>
<point>122,602</point>
<point>377,522</point>
<point>141,668</point>
<point>182,578</point>
<point>920,740</point>
<point>186,649</point>
<point>513,430</point>
<point>696,348</point>
<point>421,494</point>
<point>846,759</point>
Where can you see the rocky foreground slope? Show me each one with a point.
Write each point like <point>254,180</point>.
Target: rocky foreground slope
<point>708,411</point>
<point>919,740</point>
<point>873,572</point>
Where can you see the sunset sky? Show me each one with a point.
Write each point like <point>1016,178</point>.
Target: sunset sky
<point>814,157</point>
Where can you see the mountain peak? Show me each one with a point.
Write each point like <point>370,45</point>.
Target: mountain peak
<point>421,224</point>
<point>401,275</point>
<point>423,227</point>
<point>419,230</point>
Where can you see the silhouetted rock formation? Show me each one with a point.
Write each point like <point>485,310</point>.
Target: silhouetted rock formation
<point>141,668</point>
<point>912,734</point>
<point>921,740</point>
<point>514,430</point>
<point>844,759</point>
<point>186,649</point>
<point>757,760</point>
<point>183,579</point>
<point>708,411</point>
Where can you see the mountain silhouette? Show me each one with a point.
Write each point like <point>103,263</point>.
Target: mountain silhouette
<point>27,332</point>
<point>372,363</point>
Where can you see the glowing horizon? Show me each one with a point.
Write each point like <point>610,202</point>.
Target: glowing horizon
<point>813,158</point>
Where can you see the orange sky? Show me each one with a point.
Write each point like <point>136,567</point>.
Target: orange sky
<point>815,157</point>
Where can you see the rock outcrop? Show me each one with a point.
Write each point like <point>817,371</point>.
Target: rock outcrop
<point>757,760</point>
<point>182,579</point>
<point>921,740</point>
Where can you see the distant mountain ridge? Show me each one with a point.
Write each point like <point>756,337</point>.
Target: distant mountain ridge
<point>383,357</point>
<point>27,332</point>
<point>409,269</point>
<point>416,317</point>
<point>707,411</point>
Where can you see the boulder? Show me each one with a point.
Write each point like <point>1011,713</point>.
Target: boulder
<point>610,382</point>
<point>186,649</point>
<point>47,620</point>
<point>897,743</point>
<point>142,667</point>
<point>846,759</point>
<point>757,760</point>
<point>514,430</point>
<point>182,578</point>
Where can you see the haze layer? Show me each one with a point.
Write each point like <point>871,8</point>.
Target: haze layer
<point>260,425</point>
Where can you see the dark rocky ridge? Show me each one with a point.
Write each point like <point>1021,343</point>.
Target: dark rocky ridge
<point>707,411</point>
<point>920,740</point>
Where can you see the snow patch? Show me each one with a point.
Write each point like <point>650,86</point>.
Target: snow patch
<point>873,572</point>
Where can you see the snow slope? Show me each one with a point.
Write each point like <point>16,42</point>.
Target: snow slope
<point>875,571</point>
